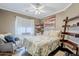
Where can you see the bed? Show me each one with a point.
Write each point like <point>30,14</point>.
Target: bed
<point>41,45</point>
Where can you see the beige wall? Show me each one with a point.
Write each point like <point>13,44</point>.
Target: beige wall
<point>72,11</point>
<point>7,21</point>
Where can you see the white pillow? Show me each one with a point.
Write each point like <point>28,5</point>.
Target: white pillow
<point>54,33</point>
<point>46,33</point>
<point>1,42</point>
<point>2,37</point>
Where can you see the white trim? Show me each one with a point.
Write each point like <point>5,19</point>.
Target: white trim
<point>61,10</point>
<point>35,17</point>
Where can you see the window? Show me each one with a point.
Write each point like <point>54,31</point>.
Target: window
<point>24,26</point>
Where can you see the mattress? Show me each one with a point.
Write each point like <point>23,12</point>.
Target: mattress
<point>40,45</point>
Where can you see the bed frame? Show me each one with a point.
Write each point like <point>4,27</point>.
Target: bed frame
<point>68,42</point>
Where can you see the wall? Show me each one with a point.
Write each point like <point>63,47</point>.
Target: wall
<point>7,21</point>
<point>7,18</point>
<point>72,11</point>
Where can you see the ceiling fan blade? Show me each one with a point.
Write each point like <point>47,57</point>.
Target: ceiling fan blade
<point>36,12</point>
<point>41,7</point>
<point>31,10</point>
<point>33,6</point>
<point>39,12</point>
<point>42,11</point>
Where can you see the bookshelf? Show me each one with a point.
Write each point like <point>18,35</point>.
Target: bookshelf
<point>69,42</point>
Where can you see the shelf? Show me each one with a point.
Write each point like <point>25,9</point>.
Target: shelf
<point>71,34</point>
<point>69,42</point>
<point>70,26</point>
<point>75,25</point>
<point>71,19</point>
<point>66,26</point>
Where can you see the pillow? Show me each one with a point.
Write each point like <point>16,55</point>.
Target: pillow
<point>54,33</point>
<point>2,37</point>
<point>16,38</point>
<point>10,38</point>
<point>1,41</point>
<point>46,33</point>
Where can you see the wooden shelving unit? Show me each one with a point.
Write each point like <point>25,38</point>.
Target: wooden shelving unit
<point>71,34</point>
<point>71,19</point>
<point>65,32</point>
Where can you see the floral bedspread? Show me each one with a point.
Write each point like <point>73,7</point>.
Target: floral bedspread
<point>40,45</point>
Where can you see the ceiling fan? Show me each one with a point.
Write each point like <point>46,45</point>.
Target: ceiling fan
<point>37,8</point>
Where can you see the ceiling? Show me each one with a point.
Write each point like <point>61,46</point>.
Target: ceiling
<point>26,8</point>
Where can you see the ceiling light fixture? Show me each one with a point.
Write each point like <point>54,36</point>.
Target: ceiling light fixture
<point>37,8</point>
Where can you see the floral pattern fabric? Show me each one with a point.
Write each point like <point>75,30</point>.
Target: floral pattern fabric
<point>40,45</point>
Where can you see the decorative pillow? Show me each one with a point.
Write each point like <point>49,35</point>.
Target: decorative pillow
<point>54,33</point>
<point>46,33</point>
<point>16,38</point>
<point>2,37</point>
<point>1,41</point>
<point>10,38</point>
